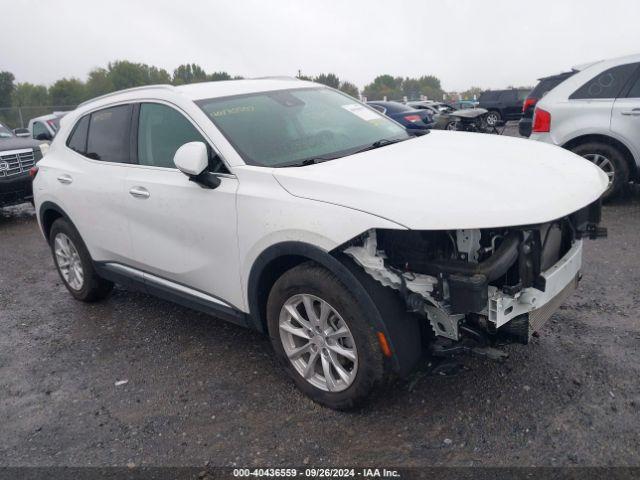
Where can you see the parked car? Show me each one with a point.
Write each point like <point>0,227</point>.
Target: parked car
<point>409,117</point>
<point>329,227</point>
<point>17,157</point>
<point>45,127</point>
<point>434,107</point>
<point>596,114</point>
<point>463,104</point>
<point>502,104</point>
<point>544,86</point>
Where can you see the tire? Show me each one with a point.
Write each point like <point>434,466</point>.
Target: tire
<point>493,117</point>
<point>611,161</point>
<point>311,284</point>
<point>80,276</point>
<point>451,126</point>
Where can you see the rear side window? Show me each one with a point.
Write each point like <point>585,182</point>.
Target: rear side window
<point>161,131</point>
<point>522,94</point>
<point>109,134</point>
<point>78,139</point>
<point>489,96</point>
<point>607,84</point>
<point>635,89</point>
<point>547,84</point>
<point>508,96</point>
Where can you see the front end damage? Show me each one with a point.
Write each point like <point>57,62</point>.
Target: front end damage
<point>477,286</point>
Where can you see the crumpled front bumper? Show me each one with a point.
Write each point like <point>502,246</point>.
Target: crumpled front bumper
<point>560,281</point>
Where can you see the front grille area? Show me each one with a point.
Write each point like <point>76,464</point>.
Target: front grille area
<point>16,162</point>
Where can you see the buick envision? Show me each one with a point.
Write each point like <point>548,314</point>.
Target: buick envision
<point>291,208</point>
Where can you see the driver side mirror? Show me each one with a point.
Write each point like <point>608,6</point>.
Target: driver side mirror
<point>21,132</point>
<point>192,159</point>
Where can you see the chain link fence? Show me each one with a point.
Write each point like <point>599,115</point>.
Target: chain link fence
<point>18,117</point>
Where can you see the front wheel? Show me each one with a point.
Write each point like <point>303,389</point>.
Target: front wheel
<point>493,117</point>
<point>322,337</point>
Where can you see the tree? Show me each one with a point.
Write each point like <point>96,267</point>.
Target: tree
<point>384,86</point>
<point>6,88</point>
<point>189,73</point>
<point>29,95</point>
<point>67,92</point>
<point>350,89</point>
<point>124,74</point>
<point>328,79</point>
<point>99,83</point>
<point>469,94</point>
<point>218,76</point>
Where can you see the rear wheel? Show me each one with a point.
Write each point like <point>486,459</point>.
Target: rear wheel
<point>74,263</point>
<point>493,117</point>
<point>610,160</point>
<point>322,337</point>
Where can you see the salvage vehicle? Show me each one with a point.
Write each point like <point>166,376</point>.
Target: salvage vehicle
<point>595,113</point>
<point>409,117</point>
<point>353,244</point>
<point>17,157</point>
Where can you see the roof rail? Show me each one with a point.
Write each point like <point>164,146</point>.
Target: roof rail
<point>134,89</point>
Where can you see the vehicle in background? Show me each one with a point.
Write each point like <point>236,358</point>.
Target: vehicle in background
<point>463,104</point>
<point>408,117</point>
<point>596,114</point>
<point>434,107</point>
<point>503,104</point>
<point>544,86</point>
<point>46,127</point>
<point>17,156</point>
<point>22,132</point>
<point>293,209</point>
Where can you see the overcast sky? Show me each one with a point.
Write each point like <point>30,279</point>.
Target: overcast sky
<point>487,43</point>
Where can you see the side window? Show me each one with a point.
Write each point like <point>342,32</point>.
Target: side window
<point>109,134</point>
<point>608,84</point>
<point>39,128</point>
<point>635,89</point>
<point>78,139</point>
<point>161,131</point>
<point>522,95</point>
<point>507,96</point>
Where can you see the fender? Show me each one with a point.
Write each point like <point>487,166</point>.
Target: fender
<point>48,206</point>
<point>381,305</point>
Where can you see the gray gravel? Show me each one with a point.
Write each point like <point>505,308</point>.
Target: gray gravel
<point>200,390</point>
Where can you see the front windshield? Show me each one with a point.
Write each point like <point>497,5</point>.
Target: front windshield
<point>5,132</point>
<point>289,127</point>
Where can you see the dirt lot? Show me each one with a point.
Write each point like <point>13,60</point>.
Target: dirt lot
<point>201,390</point>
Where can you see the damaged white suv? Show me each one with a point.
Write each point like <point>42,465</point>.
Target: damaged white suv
<point>291,208</point>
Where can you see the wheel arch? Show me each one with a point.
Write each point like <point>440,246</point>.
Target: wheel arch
<point>382,306</point>
<point>48,213</point>
<point>609,140</point>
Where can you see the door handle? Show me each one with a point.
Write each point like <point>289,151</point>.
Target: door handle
<point>635,112</point>
<point>66,179</point>
<point>139,192</point>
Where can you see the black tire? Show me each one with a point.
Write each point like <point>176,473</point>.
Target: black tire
<point>93,287</point>
<point>312,279</point>
<point>451,126</point>
<point>616,159</point>
<point>493,117</point>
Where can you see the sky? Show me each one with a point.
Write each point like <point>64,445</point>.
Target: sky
<point>485,43</point>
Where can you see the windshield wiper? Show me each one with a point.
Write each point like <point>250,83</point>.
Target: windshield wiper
<point>379,143</point>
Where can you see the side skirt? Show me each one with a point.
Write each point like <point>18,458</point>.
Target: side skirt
<point>135,279</point>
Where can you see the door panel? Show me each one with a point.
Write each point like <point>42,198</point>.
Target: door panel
<point>183,232</point>
<point>625,121</point>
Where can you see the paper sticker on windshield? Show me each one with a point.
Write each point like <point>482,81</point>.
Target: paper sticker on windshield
<point>361,111</point>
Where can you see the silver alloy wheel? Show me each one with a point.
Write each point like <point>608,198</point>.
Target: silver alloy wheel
<point>68,260</point>
<point>312,330</point>
<point>451,126</point>
<point>604,164</point>
<point>492,118</point>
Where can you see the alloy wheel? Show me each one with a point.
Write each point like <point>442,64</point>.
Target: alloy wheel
<point>492,119</point>
<point>604,164</point>
<point>69,262</point>
<point>318,343</point>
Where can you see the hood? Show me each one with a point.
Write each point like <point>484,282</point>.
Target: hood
<point>454,180</point>
<point>16,143</point>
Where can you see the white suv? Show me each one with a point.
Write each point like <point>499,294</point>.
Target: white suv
<point>596,114</point>
<point>291,208</point>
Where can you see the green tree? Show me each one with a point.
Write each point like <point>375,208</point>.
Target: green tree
<point>99,83</point>
<point>124,74</point>
<point>6,88</point>
<point>350,89</point>
<point>469,94</point>
<point>218,76</point>
<point>67,91</point>
<point>29,95</point>
<point>328,79</point>
<point>384,86</point>
<point>189,73</point>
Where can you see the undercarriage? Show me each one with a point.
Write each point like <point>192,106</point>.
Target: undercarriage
<point>475,286</point>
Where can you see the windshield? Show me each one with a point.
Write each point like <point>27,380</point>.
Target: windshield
<point>287,127</point>
<point>5,132</point>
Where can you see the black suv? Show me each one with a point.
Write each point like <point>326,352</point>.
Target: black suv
<point>503,105</point>
<point>17,156</point>
<point>545,85</point>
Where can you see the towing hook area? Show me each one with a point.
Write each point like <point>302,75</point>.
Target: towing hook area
<point>472,342</point>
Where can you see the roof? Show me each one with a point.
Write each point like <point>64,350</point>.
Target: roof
<point>614,61</point>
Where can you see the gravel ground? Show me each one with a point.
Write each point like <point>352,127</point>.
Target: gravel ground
<point>200,390</point>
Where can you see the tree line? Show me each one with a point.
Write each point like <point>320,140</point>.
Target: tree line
<point>69,92</point>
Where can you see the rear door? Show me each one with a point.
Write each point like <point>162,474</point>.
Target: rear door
<point>625,115</point>
<point>180,231</point>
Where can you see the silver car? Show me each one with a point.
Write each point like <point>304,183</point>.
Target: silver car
<point>596,114</point>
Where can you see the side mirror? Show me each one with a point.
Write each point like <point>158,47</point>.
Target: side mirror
<point>21,132</point>
<point>192,159</point>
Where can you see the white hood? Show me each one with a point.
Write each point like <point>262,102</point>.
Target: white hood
<point>453,180</point>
